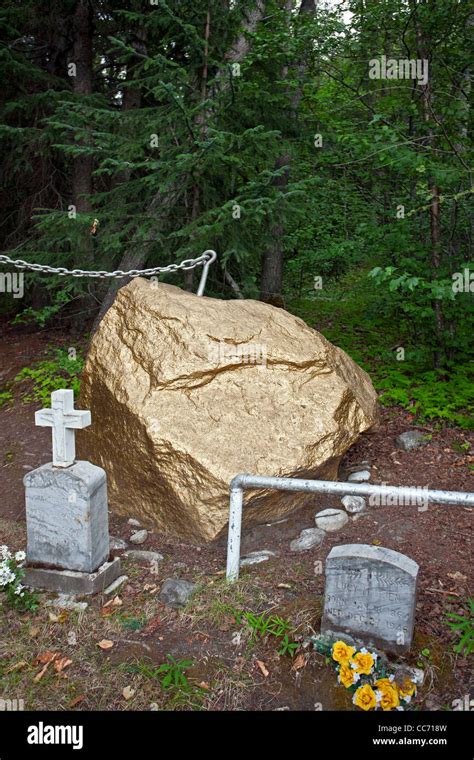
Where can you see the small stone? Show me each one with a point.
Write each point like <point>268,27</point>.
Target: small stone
<point>307,539</point>
<point>353,503</point>
<point>139,537</point>
<point>114,586</point>
<point>254,558</point>
<point>331,519</point>
<point>142,555</point>
<point>403,671</point>
<point>117,544</point>
<point>412,439</point>
<point>134,523</point>
<point>68,602</point>
<point>176,592</point>
<point>361,476</point>
<point>363,465</point>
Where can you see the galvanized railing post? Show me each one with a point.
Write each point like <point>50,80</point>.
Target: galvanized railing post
<point>410,494</point>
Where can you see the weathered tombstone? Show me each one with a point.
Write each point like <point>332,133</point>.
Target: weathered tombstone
<point>370,596</point>
<point>66,511</point>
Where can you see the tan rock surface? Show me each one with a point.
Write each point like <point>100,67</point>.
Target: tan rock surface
<point>186,392</point>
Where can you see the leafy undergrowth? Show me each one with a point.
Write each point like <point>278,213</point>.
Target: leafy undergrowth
<point>60,369</point>
<point>352,317</point>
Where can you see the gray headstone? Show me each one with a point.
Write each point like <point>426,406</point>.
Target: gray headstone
<point>370,596</point>
<point>67,518</point>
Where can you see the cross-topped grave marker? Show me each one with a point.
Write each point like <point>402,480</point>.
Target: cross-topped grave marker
<point>66,511</point>
<point>64,420</point>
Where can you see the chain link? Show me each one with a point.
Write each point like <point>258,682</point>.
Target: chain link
<point>206,258</point>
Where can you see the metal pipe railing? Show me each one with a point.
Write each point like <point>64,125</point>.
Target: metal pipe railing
<point>412,494</point>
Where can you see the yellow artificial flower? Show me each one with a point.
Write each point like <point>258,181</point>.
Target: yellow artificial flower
<point>364,697</point>
<point>389,694</point>
<point>407,689</point>
<point>341,652</point>
<point>347,676</point>
<point>384,683</point>
<point>364,662</point>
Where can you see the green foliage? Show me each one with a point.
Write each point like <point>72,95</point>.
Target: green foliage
<point>130,623</point>
<point>432,395</point>
<point>263,626</point>
<point>463,626</point>
<point>61,369</point>
<point>351,314</point>
<point>5,397</point>
<point>381,211</point>
<point>43,316</point>
<point>171,674</point>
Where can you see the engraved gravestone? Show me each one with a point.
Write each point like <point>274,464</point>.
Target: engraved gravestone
<point>66,510</point>
<point>370,596</point>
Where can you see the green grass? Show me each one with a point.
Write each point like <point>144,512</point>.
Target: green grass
<point>463,626</point>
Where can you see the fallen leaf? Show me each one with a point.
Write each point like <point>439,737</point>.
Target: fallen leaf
<point>457,576</point>
<point>263,669</point>
<point>17,666</point>
<point>284,585</point>
<point>128,693</point>
<point>204,685</point>
<point>107,611</point>
<point>61,617</point>
<point>33,632</point>
<point>45,658</point>
<point>300,662</point>
<point>105,644</point>
<point>151,587</point>
<point>376,542</point>
<point>41,673</point>
<point>61,664</point>
<point>115,602</point>
<point>76,701</point>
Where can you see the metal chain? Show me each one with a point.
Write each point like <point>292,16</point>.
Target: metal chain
<point>206,258</point>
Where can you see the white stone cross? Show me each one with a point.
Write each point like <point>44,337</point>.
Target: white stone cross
<point>64,420</point>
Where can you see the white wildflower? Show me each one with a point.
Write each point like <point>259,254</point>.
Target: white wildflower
<point>20,556</point>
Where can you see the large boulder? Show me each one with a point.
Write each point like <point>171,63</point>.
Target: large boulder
<point>186,392</point>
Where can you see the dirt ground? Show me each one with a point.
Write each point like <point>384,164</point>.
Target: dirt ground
<point>228,668</point>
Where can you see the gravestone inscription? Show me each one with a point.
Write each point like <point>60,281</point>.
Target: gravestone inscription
<point>370,596</point>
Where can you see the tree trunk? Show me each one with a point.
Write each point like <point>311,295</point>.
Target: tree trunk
<point>272,267</point>
<point>435,211</point>
<point>82,85</point>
